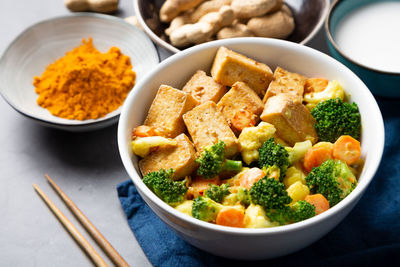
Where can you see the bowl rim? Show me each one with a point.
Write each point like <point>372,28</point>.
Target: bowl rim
<point>173,49</point>
<point>142,188</point>
<point>79,124</point>
<point>327,26</point>
<point>149,32</point>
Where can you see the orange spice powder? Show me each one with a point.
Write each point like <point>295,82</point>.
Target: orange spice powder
<point>85,83</point>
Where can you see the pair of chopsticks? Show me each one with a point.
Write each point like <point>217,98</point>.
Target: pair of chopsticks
<point>85,245</point>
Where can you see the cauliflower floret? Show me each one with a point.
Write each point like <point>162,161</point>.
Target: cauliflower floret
<point>255,218</point>
<point>298,151</point>
<point>252,138</point>
<point>143,146</point>
<point>230,200</point>
<point>332,90</point>
<point>294,175</point>
<point>185,207</point>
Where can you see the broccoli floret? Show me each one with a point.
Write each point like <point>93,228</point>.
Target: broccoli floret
<point>333,179</point>
<point>171,192</point>
<point>269,193</point>
<point>205,209</point>
<point>212,162</point>
<point>272,196</point>
<point>274,154</point>
<point>282,215</point>
<point>217,193</point>
<point>243,196</point>
<point>272,172</point>
<point>299,211</point>
<point>302,210</point>
<point>335,118</point>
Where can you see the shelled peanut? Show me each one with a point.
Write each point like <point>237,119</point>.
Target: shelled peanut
<point>101,6</point>
<point>198,21</point>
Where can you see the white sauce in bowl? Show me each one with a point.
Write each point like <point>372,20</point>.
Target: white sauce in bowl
<point>370,35</point>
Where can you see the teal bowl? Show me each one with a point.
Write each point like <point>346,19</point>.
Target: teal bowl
<point>380,82</point>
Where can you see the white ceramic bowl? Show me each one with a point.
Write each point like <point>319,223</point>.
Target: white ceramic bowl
<point>41,44</point>
<point>252,244</point>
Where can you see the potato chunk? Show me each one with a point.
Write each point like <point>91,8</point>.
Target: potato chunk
<point>298,191</point>
<point>185,207</point>
<point>166,111</point>
<point>255,217</point>
<point>292,120</point>
<point>207,126</point>
<point>240,96</point>
<point>292,176</point>
<point>181,158</point>
<point>203,88</point>
<point>230,67</point>
<point>286,82</point>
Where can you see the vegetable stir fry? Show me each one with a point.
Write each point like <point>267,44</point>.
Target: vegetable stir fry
<point>251,148</point>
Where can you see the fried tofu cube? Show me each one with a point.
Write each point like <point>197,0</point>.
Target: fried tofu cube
<point>286,82</point>
<point>292,120</point>
<point>167,109</point>
<point>207,126</point>
<point>240,97</point>
<point>181,158</point>
<point>203,88</point>
<point>230,67</point>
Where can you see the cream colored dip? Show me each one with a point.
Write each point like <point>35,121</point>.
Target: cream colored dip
<point>370,35</point>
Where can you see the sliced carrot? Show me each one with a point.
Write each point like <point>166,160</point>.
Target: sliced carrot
<point>315,85</point>
<point>315,156</point>
<point>319,201</point>
<point>199,185</point>
<point>230,216</point>
<point>145,131</point>
<point>249,177</point>
<point>242,119</point>
<point>347,149</point>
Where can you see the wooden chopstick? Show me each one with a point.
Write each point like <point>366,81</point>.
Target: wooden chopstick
<point>97,236</point>
<point>97,259</point>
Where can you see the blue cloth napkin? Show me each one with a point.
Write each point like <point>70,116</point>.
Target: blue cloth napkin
<point>369,235</point>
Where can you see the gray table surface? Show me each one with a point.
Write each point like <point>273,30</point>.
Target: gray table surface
<point>86,166</point>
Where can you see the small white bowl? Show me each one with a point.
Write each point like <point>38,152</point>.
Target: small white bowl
<point>41,44</point>
<point>381,82</point>
<point>252,244</point>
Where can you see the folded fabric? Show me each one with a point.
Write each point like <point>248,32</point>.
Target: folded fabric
<point>368,236</point>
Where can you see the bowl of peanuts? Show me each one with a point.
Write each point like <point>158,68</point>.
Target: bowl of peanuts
<point>186,122</point>
<point>177,25</point>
